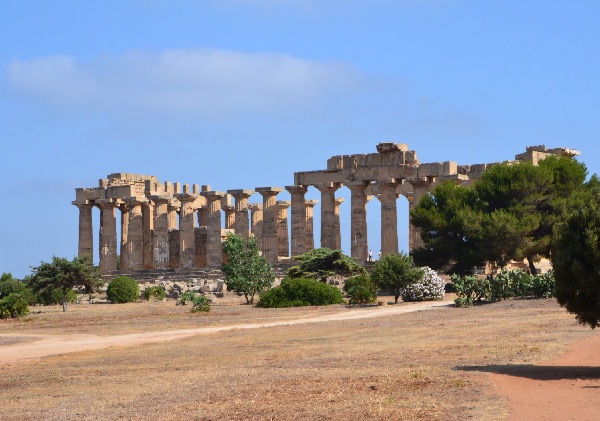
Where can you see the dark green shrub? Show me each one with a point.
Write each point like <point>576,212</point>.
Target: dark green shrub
<point>123,289</point>
<point>14,305</point>
<point>186,296</point>
<point>360,290</point>
<point>11,286</point>
<point>156,293</point>
<point>298,292</point>
<point>201,304</point>
<point>53,296</point>
<point>470,289</point>
<point>322,263</point>
<point>544,285</point>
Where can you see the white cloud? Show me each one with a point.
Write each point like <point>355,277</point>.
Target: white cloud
<point>202,82</point>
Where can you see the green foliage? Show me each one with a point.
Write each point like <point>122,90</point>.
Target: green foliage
<point>155,293</point>
<point>298,292</point>
<point>576,259</point>
<point>246,272</point>
<point>506,215</point>
<point>394,272</point>
<point>54,296</point>
<point>322,263</point>
<point>65,275</point>
<point>7,276</point>
<point>201,304</point>
<point>186,296</point>
<point>11,285</point>
<point>14,305</point>
<point>506,284</point>
<point>123,289</point>
<point>360,290</point>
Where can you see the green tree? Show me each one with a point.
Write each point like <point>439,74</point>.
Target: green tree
<point>65,274</point>
<point>576,258</point>
<point>394,272</point>
<point>246,272</point>
<point>123,289</point>
<point>322,263</point>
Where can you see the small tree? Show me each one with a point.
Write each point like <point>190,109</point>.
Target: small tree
<point>394,272</point>
<point>246,272</point>
<point>65,274</point>
<point>322,263</point>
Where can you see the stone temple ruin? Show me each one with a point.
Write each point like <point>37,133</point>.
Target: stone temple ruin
<point>165,226</point>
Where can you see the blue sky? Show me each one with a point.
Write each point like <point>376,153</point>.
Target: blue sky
<point>243,93</point>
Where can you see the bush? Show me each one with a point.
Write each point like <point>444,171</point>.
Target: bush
<point>544,285</point>
<point>14,305</point>
<point>429,287</point>
<point>323,263</point>
<point>201,304</point>
<point>186,296</point>
<point>360,290</point>
<point>123,289</point>
<point>470,289</point>
<point>156,293</point>
<point>298,292</point>
<point>53,296</point>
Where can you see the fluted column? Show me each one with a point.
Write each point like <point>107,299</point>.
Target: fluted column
<point>298,219</point>
<point>173,214</point>
<point>242,227</point>
<point>337,231</point>
<point>269,231</point>
<point>310,224</point>
<point>359,247</point>
<point>214,251</point>
<point>229,216</point>
<point>123,249</point>
<point>108,235</point>
<point>328,220</point>
<point>256,221</point>
<point>389,215</point>
<point>86,233</point>
<point>282,228</point>
<point>135,233</point>
<point>147,228</point>
<point>420,185</point>
<point>160,239</point>
<point>187,238</point>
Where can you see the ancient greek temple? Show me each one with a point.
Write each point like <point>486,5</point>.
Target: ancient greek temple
<point>167,225</point>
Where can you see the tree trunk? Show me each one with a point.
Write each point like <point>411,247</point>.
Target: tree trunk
<point>532,268</point>
<point>64,301</point>
<point>396,296</point>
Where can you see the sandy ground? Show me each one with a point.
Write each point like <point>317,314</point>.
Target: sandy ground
<point>566,388</point>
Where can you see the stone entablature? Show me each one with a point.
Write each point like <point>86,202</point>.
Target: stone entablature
<point>167,225</point>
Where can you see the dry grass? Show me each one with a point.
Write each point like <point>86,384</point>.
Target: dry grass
<point>394,367</point>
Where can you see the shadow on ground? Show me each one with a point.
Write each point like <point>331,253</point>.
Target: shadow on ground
<point>538,372</point>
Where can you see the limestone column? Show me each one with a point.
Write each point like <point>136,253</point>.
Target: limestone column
<point>282,228</point>
<point>310,224</point>
<point>359,247</point>
<point>256,221</point>
<point>389,215</point>
<point>337,231</point>
<point>187,238</point>
<point>173,214</point>
<point>421,185</point>
<point>123,252</point>
<point>229,217</point>
<point>214,251</point>
<point>298,219</point>
<point>108,235</point>
<point>86,233</point>
<point>269,228</point>
<point>242,227</point>
<point>135,233</point>
<point>160,239</point>
<point>148,226</point>
<point>328,219</point>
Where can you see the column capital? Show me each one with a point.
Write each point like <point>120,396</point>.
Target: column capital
<point>339,200</point>
<point>255,206</point>
<point>186,197</point>
<point>328,187</point>
<point>311,203</point>
<point>161,197</point>
<point>135,200</point>
<point>213,195</point>
<point>420,181</point>
<point>241,193</point>
<point>268,191</point>
<point>283,204</point>
<point>297,189</point>
<point>357,185</point>
<point>85,204</point>
<point>106,203</point>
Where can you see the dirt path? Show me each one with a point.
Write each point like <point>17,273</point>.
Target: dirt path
<point>566,388</point>
<point>28,346</point>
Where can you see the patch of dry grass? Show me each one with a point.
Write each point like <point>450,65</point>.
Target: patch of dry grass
<point>394,367</point>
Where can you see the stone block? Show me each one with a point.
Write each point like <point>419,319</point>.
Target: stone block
<point>335,163</point>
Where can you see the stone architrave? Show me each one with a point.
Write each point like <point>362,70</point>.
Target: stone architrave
<point>124,252</point>
<point>214,254</point>
<point>135,233</point>
<point>147,228</point>
<point>269,231</point>
<point>241,224</point>
<point>256,221</point>
<point>337,230</point>
<point>310,224</point>
<point>328,218</point>
<point>86,230</point>
<point>187,238</point>
<point>160,239</point>
<point>108,235</point>
<point>389,215</point>
<point>282,228</point>
<point>298,239</point>
<point>359,247</point>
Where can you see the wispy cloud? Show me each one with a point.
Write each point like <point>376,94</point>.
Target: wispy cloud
<point>205,82</point>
